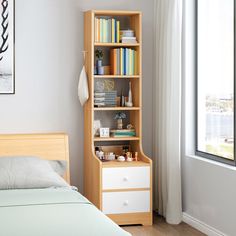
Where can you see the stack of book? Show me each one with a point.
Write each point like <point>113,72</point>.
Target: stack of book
<point>124,61</point>
<point>105,99</point>
<point>106,30</point>
<point>127,36</point>
<point>123,133</point>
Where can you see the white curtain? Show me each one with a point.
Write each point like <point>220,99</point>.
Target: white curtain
<point>167,110</point>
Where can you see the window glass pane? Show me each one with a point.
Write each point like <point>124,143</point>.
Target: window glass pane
<point>215,95</point>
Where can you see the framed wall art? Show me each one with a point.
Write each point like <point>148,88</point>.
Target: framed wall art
<point>7,51</point>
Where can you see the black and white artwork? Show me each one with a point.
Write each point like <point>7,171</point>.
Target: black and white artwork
<point>7,80</point>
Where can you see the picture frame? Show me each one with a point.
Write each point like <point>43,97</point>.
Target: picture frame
<point>104,132</point>
<point>7,46</point>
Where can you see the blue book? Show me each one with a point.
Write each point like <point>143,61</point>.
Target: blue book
<point>124,61</point>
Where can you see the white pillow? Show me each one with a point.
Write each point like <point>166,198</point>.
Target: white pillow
<point>28,172</point>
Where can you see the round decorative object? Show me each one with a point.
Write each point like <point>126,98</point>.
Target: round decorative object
<point>99,86</point>
<point>121,158</point>
<point>109,85</point>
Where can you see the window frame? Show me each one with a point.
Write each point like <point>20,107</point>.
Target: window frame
<point>197,152</point>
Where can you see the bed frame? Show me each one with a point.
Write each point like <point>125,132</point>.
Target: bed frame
<point>46,146</point>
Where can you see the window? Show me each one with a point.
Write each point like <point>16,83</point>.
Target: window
<point>215,50</point>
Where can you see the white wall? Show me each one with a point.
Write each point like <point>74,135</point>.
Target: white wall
<point>49,41</point>
<point>209,192</point>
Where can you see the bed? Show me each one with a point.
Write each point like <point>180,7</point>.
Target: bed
<point>48,211</point>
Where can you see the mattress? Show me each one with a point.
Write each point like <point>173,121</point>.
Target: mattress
<point>52,212</point>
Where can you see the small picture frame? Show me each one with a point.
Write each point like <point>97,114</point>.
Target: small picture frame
<point>104,132</point>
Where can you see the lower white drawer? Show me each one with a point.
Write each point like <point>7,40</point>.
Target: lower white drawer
<point>125,202</point>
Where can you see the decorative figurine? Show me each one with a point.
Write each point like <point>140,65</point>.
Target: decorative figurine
<point>136,156</point>
<point>119,117</point>
<point>129,103</point>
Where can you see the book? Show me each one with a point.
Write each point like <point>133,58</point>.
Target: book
<point>128,40</point>
<point>109,31</point>
<point>117,31</point>
<point>135,63</point>
<point>96,29</point>
<point>101,30</point>
<point>130,62</point>
<point>113,30</point>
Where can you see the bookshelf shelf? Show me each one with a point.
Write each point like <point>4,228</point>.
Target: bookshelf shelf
<point>116,44</point>
<point>116,76</point>
<point>94,169</point>
<point>124,164</point>
<point>116,108</point>
<point>98,139</point>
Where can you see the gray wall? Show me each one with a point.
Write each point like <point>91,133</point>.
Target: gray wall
<point>49,41</point>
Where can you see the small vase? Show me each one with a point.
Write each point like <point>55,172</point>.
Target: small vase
<point>101,70</point>
<point>119,124</point>
<point>99,63</point>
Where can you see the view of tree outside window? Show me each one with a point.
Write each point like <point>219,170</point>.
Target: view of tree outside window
<point>215,78</point>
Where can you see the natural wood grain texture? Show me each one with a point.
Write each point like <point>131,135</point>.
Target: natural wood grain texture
<point>116,108</point>
<point>132,218</point>
<point>98,139</point>
<point>117,44</point>
<point>92,165</point>
<point>46,146</point>
<point>124,164</point>
<point>116,76</point>
<point>115,13</point>
<point>161,228</point>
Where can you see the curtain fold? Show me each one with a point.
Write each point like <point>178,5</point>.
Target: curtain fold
<point>167,109</point>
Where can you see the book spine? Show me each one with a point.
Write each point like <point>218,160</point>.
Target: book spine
<point>133,55</point>
<point>118,61</point>
<point>95,29</point>
<point>101,29</point>
<point>130,61</point>
<point>98,30</point>
<point>109,30</point>
<point>127,60</point>
<point>121,61</point>
<point>112,30</point>
<point>115,61</point>
<point>104,30</point>
<point>115,31</point>
<point>118,31</point>
<point>136,63</point>
<point>124,61</point>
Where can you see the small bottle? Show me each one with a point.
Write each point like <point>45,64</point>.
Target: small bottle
<point>136,156</point>
<point>122,99</point>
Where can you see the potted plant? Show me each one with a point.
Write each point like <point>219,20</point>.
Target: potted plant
<point>119,117</point>
<point>99,56</point>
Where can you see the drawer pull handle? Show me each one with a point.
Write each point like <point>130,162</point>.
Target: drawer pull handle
<point>126,203</point>
<point>126,178</point>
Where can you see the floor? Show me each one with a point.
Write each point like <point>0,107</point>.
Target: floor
<point>161,228</point>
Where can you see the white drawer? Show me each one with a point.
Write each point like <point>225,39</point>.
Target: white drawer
<point>126,177</point>
<point>125,202</point>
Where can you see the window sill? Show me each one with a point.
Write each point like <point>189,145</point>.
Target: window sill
<point>211,162</point>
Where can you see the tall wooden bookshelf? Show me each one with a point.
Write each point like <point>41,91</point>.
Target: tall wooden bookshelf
<point>122,190</point>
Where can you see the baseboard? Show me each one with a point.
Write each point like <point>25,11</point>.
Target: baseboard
<point>201,226</point>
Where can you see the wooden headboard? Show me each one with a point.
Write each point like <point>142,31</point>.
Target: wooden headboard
<point>45,146</point>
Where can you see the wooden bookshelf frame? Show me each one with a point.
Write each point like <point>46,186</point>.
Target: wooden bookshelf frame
<point>92,165</point>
